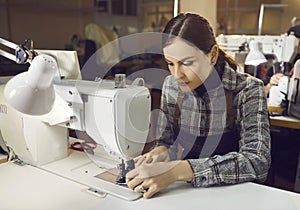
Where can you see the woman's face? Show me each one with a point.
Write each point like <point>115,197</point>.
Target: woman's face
<point>189,65</point>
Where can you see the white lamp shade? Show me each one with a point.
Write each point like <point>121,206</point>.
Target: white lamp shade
<point>32,92</point>
<point>255,56</point>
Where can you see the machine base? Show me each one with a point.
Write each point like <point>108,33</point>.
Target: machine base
<point>80,168</point>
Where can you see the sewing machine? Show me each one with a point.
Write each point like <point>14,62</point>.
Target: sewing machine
<point>114,114</point>
<point>283,48</point>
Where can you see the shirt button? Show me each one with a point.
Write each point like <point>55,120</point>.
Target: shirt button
<point>203,178</point>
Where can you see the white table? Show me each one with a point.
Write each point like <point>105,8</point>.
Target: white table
<point>30,188</point>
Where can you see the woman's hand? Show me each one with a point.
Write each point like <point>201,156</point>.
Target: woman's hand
<point>158,154</point>
<point>275,78</point>
<point>150,178</point>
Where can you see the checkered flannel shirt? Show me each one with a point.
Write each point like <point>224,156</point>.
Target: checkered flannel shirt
<point>205,114</point>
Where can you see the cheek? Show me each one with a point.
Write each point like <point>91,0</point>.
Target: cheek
<point>196,78</point>
<point>201,72</point>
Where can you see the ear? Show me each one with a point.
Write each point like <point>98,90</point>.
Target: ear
<point>214,53</point>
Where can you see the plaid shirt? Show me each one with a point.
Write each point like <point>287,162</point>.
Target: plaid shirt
<point>204,114</point>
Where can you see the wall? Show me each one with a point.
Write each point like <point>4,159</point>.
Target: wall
<point>50,23</point>
<point>206,8</point>
<point>124,24</point>
<point>279,21</point>
<point>292,10</point>
<point>3,20</point>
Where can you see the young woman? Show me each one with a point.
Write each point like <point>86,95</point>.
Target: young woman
<point>214,126</point>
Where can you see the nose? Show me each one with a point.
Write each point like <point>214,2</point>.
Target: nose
<point>178,74</point>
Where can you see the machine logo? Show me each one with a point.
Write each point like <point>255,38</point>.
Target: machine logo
<point>3,108</point>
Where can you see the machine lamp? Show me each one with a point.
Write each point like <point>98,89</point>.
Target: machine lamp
<point>32,92</point>
<point>255,56</point>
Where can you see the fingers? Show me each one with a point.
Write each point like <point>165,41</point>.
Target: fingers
<point>279,74</point>
<point>133,183</point>
<point>274,81</point>
<point>275,78</point>
<point>153,177</point>
<point>139,160</point>
<point>139,185</point>
<point>162,157</point>
<point>132,174</point>
<point>150,158</point>
<point>141,189</point>
<point>146,189</point>
<point>143,159</point>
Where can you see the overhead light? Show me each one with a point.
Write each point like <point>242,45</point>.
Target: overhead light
<point>255,56</point>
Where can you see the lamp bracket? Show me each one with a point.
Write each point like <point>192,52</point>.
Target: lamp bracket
<point>22,53</point>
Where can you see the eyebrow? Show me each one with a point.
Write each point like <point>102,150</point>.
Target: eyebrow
<point>182,60</point>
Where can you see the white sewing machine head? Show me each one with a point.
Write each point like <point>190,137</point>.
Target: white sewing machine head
<point>116,118</point>
<point>284,47</point>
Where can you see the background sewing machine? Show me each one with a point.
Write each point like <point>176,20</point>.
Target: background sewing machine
<point>280,49</point>
<point>115,115</point>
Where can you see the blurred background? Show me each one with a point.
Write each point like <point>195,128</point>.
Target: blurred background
<point>52,24</point>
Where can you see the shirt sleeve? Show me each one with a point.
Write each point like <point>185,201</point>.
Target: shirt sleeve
<point>164,132</point>
<point>252,162</point>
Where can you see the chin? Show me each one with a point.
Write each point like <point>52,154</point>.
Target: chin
<point>186,88</point>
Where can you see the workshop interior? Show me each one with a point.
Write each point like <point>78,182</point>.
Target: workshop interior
<point>77,97</point>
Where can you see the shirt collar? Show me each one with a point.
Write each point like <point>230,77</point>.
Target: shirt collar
<point>213,81</point>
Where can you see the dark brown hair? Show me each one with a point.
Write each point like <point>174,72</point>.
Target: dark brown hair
<point>196,30</point>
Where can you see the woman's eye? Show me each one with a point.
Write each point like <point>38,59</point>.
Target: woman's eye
<point>188,63</point>
<point>170,64</point>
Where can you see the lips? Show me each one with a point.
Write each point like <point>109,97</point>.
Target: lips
<point>183,83</point>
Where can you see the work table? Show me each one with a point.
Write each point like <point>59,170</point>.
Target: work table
<point>28,187</point>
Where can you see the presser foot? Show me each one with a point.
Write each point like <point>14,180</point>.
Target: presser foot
<point>123,170</point>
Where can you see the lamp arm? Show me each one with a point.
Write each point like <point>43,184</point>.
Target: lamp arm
<point>22,54</point>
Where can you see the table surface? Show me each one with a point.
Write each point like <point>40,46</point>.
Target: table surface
<point>276,119</point>
<point>285,121</point>
<point>3,158</point>
<point>29,187</point>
